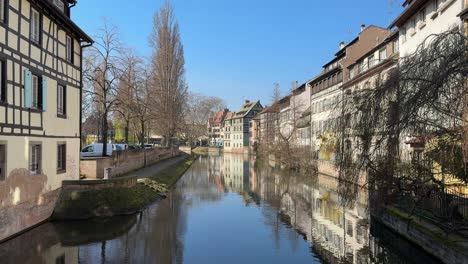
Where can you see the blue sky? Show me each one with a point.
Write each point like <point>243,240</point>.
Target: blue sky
<point>237,49</point>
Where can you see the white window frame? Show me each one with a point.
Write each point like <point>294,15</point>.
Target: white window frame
<point>396,45</point>
<point>61,157</point>
<point>61,99</point>
<point>35,28</point>
<point>35,158</point>
<point>383,51</point>
<point>35,90</point>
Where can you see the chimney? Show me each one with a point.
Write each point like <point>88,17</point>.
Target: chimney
<point>341,45</point>
<point>363,26</point>
<point>247,101</point>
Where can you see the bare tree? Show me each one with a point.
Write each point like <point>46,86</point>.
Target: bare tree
<point>420,102</point>
<point>129,80</point>
<point>101,74</point>
<point>275,93</point>
<point>168,86</point>
<point>141,106</point>
<point>199,108</point>
<point>287,149</point>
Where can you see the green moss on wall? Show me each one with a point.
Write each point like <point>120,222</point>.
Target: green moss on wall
<point>106,202</point>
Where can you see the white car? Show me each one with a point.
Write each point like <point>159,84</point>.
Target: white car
<point>95,150</point>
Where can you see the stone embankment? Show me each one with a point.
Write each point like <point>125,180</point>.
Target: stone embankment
<point>119,196</point>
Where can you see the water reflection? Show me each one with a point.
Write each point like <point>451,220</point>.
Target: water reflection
<point>228,209</point>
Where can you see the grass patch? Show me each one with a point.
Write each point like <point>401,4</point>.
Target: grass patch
<point>200,150</point>
<point>162,181</point>
<point>105,202</point>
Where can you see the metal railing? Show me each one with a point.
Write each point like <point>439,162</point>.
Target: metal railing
<point>447,208</point>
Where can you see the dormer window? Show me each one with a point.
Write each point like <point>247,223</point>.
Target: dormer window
<point>59,4</point>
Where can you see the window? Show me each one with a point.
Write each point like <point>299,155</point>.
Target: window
<point>35,156</point>
<point>88,149</point>
<point>35,26</point>
<point>60,259</point>
<point>422,15</point>
<point>61,157</point>
<point>3,85</point>
<point>2,162</point>
<point>69,50</point>
<point>351,72</point>
<point>3,9</point>
<point>403,35</point>
<point>60,5</point>
<point>383,53</point>
<point>412,27</point>
<point>61,100</point>
<point>36,92</point>
<point>370,61</point>
<point>396,46</point>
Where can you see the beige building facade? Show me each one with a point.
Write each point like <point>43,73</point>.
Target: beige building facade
<point>40,108</point>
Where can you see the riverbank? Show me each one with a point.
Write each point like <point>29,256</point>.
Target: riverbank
<point>447,247</point>
<point>121,196</point>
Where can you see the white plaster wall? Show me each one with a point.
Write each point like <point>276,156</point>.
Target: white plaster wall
<point>445,20</point>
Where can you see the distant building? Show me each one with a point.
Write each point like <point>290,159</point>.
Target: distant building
<point>215,127</point>
<point>254,133</point>
<point>239,123</point>
<point>300,107</point>
<point>327,93</point>
<point>227,130</point>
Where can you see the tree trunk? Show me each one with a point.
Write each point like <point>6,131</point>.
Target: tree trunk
<point>104,134</point>
<point>142,135</point>
<point>127,124</point>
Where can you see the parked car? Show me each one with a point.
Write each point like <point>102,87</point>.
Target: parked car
<point>95,150</point>
<point>148,146</point>
<point>134,147</point>
<point>120,146</point>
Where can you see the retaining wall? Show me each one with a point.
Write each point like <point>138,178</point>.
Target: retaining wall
<point>430,239</point>
<point>124,161</point>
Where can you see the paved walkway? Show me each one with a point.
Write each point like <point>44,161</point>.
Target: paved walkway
<point>157,167</point>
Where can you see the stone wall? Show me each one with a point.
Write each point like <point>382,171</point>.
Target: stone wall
<point>99,184</point>
<point>428,237</point>
<point>124,161</point>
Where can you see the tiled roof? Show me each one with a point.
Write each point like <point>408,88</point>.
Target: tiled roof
<point>245,109</point>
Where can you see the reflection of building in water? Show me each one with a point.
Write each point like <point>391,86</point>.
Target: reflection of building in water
<point>42,244</point>
<point>312,206</point>
<point>236,171</point>
<point>215,165</point>
<point>59,254</point>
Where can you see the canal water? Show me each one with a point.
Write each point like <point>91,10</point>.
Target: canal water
<point>226,209</point>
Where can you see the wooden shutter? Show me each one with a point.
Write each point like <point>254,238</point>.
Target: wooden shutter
<point>27,89</point>
<point>44,93</point>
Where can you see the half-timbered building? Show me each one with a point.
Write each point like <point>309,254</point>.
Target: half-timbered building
<point>40,108</point>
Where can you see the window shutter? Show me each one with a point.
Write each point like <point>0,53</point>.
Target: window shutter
<point>44,93</point>
<point>27,89</point>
